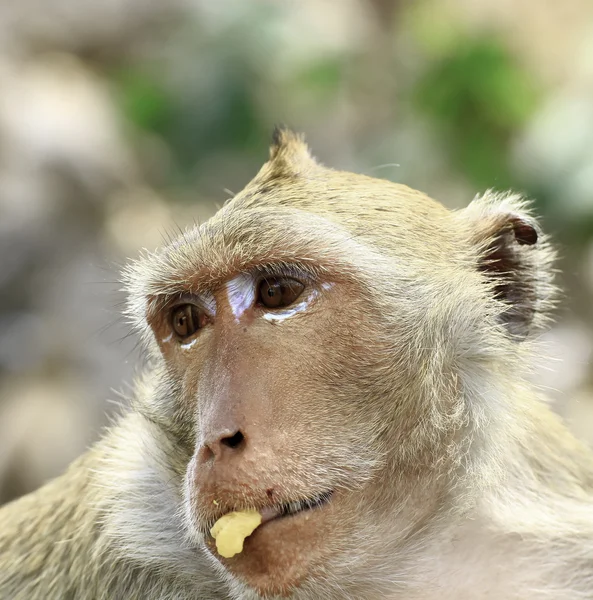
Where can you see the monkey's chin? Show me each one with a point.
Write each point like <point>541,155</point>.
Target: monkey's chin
<point>284,551</point>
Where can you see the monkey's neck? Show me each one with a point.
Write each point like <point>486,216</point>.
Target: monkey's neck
<point>107,528</point>
<point>145,524</point>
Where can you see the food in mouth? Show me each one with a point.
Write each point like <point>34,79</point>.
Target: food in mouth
<point>231,529</point>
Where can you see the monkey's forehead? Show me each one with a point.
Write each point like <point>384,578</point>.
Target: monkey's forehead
<point>381,213</point>
<point>319,189</point>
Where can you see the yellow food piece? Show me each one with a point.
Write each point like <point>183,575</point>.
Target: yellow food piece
<point>231,530</point>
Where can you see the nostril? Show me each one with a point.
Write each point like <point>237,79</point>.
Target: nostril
<point>234,441</point>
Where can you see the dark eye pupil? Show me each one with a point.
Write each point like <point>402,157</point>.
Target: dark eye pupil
<point>274,291</point>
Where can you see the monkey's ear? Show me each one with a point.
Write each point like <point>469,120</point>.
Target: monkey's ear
<point>288,151</point>
<point>516,258</point>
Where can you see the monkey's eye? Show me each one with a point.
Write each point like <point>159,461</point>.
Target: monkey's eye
<point>277,292</point>
<point>186,320</point>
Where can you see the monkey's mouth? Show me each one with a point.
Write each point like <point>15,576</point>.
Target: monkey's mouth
<point>270,513</point>
<point>288,509</point>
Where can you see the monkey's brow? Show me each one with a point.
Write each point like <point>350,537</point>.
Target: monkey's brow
<point>204,258</point>
<point>205,281</point>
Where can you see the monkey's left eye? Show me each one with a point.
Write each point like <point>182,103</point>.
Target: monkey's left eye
<point>186,320</point>
<point>277,292</point>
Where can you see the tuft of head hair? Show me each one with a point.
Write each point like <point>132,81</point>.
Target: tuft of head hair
<point>289,153</point>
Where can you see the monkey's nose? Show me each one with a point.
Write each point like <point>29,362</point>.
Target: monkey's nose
<point>225,444</point>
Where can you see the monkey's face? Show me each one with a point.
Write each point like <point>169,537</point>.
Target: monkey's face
<point>277,364</point>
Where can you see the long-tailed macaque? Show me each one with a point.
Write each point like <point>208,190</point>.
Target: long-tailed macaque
<point>346,357</point>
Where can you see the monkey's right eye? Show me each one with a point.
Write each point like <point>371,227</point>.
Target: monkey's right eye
<point>186,320</point>
<point>278,292</point>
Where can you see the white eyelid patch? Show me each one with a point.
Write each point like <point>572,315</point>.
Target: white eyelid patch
<point>241,294</point>
<point>290,311</point>
<point>189,344</point>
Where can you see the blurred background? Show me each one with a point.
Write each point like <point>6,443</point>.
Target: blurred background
<point>123,120</point>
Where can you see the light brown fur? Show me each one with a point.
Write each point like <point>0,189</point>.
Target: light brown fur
<point>401,388</point>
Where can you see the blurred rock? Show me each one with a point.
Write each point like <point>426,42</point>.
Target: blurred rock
<point>55,115</point>
<point>61,155</point>
<point>43,423</point>
<point>81,26</point>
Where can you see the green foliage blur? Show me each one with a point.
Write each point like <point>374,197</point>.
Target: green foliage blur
<point>477,97</point>
<point>218,91</point>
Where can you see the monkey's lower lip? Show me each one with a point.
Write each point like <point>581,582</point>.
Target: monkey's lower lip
<point>292,508</point>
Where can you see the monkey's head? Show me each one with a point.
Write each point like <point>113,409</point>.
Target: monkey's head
<point>314,343</point>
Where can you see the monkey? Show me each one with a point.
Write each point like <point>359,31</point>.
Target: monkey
<point>350,359</point>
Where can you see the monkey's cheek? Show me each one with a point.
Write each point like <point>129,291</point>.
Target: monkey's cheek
<point>281,554</point>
